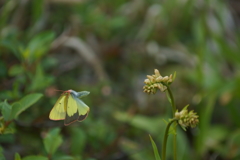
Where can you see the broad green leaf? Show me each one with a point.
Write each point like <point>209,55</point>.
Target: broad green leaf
<point>6,110</point>
<point>40,80</point>
<point>8,130</point>
<point>78,141</point>
<point>35,158</point>
<point>17,157</point>
<point>9,44</point>
<point>155,150</point>
<point>233,145</point>
<point>52,141</point>
<point>150,124</point>
<point>15,70</point>
<point>24,103</point>
<point>205,116</point>
<point>64,157</point>
<point>36,11</point>
<point>38,46</point>
<point>6,9</point>
<point>217,134</point>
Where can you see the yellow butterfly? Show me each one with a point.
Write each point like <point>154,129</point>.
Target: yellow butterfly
<point>69,107</point>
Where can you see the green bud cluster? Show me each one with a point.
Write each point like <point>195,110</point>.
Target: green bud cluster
<point>156,81</point>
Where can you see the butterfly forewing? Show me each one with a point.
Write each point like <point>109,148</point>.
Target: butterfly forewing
<point>58,112</point>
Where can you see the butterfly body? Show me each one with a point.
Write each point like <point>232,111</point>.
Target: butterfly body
<point>70,108</point>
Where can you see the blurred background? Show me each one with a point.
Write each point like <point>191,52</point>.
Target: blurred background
<point>108,48</point>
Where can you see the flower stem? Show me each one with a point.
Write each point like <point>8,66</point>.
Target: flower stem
<point>175,126</point>
<point>172,100</point>
<point>164,147</point>
<point>175,143</point>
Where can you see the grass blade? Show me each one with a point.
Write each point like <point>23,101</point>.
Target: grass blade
<point>155,150</point>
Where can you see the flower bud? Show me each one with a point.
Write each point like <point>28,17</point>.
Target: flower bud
<point>156,81</point>
<point>170,79</point>
<point>187,119</point>
<point>177,115</point>
<point>157,73</point>
<point>165,79</point>
<point>147,81</point>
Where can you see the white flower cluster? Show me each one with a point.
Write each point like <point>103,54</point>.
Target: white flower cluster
<point>155,82</point>
<point>187,119</point>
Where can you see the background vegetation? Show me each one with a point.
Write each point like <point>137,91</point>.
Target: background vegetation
<point>107,48</point>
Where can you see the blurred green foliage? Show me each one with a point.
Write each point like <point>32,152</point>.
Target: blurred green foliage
<point>107,48</point>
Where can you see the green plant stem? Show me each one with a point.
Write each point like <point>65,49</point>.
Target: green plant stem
<point>175,126</point>
<point>164,147</point>
<point>175,143</point>
<point>172,100</point>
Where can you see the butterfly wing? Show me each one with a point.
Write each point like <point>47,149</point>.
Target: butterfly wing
<point>72,110</point>
<point>83,110</point>
<point>58,111</point>
<point>82,94</point>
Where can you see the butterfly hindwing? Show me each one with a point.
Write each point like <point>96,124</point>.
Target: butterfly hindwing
<point>82,117</point>
<point>83,109</point>
<point>68,120</point>
<point>72,110</point>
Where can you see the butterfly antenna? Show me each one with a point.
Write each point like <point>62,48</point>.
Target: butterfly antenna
<point>59,90</point>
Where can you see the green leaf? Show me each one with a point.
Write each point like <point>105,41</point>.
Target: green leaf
<point>78,141</point>
<point>6,110</point>
<point>64,157</point>
<point>36,11</point>
<point>1,105</point>
<point>24,103</point>
<point>15,70</point>
<point>38,46</point>
<point>52,141</point>
<point>2,157</point>
<point>184,128</point>
<point>3,66</point>
<point>35,158</point>
<point>172,129</point>
<point>155,150</point>
<point>17,157</point>
<point>8,130</point>
<point>174,75</point>
<point>150,124</point>
<point>40,80</point>
<point>168,97</point>
<point>185,107</point>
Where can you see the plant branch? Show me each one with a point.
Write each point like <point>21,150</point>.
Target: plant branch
<point>172,100</point>
<point>175,127</point>
<point>165,139</point>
